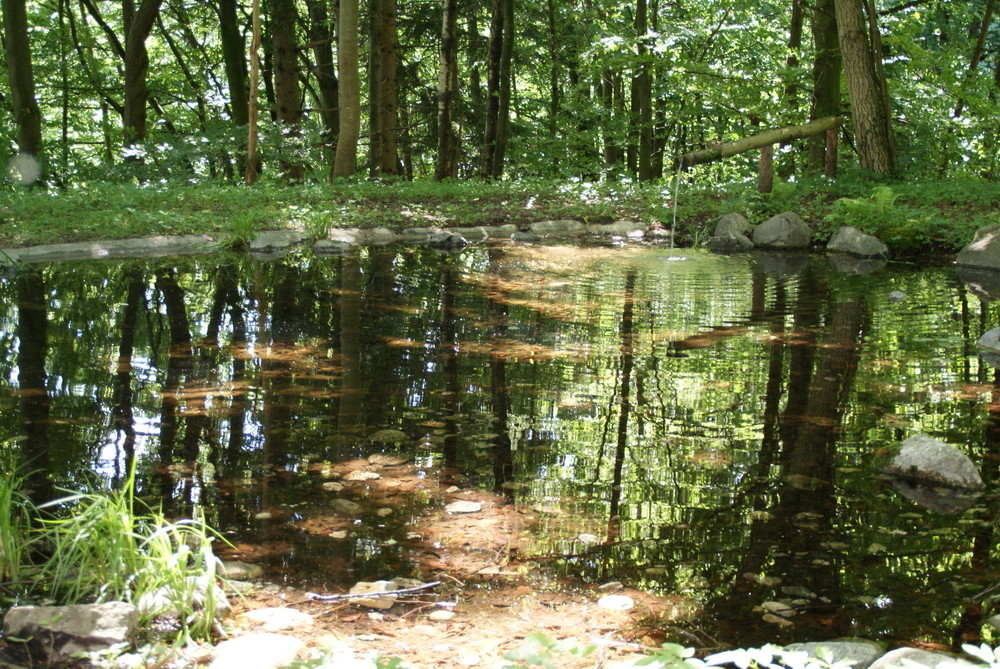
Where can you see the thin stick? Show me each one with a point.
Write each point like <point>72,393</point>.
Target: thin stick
<point>368,595</point>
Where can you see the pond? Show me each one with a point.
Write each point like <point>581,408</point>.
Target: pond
<point>700,426</point>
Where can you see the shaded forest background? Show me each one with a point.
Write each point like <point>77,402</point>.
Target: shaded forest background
<point>416,89</point>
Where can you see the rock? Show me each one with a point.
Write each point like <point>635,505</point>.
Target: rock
<point>937,498</point>
<point>733,223</point>
<point>446,241</point>
<point>556,228</point>
<point>785,231</point>
<point>855,653</point>
<point>239,571</point>
<point>616,602</point>
<point>914,658</point>
<point>365,587</point>
<point>994,622</point>
<point>388,436</point>
<point>333,486</point>
<point>386,460</point>
<point>852,266</point>
<point>928,460</point>
<point>776,620</point>
<point>587,538</point>
<point>779,609</point>
<point>983,250</point>
<point>897,296</point>
<point>464,506</point>
<point>112,248</point>
<point>163,602</point>
<point>984,283</point>
<point>277,240</point>
<point>611,586</point>
<point>278,618</point>
<point>346,236</point>
<point>853,242</point>
<point>57,632</point>
<point>989,345</point>
<point>730,242</point>
<point>618,229</point>
<point>377,236</point>
<point>329,247</point>
<point>262,650</point>
<point>346,506</point>
<point>362,475</point>
<point>441,615</point>
<point>525,237</point>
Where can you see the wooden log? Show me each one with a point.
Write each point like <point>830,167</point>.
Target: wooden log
<point>765,172</point>
<point>775,136</point>
<point>830,164</point>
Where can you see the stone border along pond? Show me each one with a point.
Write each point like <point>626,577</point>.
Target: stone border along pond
<point>733,233</point>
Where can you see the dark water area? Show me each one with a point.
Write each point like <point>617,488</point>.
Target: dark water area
<point>693,425</point>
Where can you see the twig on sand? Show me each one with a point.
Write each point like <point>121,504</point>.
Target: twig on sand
<point>371,595</point>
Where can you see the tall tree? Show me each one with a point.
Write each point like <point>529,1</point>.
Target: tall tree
<point>22,84</point>
<point>350,90</point>
<point>642,94</point>
<point>825,76</point>
<point>286,84</point>
<point>325,71</point>
<point>138,24</point>
<point>234,58</point>
<point>498,85</point>
<point>382,93</point>
<point>446,164</point>
<point>866,88</point>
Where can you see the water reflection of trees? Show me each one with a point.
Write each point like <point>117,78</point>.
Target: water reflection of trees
<point>704,422</point>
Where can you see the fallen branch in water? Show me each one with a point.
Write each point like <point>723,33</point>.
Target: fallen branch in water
<point>371,595</point>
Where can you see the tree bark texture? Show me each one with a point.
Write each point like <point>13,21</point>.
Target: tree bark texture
<point>21,77</point>
<point>446,165</point>
<point>825,76</point>
<point>287,96</point>
<point>383,95</point>
<point>252,166</point>
<point>872,131</point>
<point>642,87</point>
<point>234,56</point>
<point>498,87</point>
<point>350,90</point>
<point>757,141</point>
<point>325,71</point>
<point>138,25</point>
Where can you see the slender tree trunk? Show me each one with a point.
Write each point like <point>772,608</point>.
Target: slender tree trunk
<point>286,85</point>
<point>825,76</point>
<point>794,45</point>
<point>497,87</point>
<point>350,90</point>
<point>234,59</point>
<point>446,165</point>
<point>22,88</point>
<point>642,87</point>
<point>321,38</point>
<point>253,166</point>
<point>872,129</point>
<point>138,25</point>
<point>384,157</point>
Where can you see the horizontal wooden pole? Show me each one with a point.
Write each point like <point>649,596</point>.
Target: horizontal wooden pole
<point>767,138</point>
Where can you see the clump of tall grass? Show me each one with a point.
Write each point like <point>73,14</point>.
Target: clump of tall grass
<point>99,547</point>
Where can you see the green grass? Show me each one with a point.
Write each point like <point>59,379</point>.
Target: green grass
<point>927,215</point>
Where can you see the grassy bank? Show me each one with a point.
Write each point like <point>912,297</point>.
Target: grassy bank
<point>911,218</point>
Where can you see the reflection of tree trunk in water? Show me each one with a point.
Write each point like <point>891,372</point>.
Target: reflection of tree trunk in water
<point>790,540</point>
<point>178,364</point>
<point>449,361</point>
<point>276,368</point>
<point>503,458</point>
<point>32,349</point>
<point>349,407</point>
<point>970,624</point>
<point>121,412</point>
<point>625,372</point>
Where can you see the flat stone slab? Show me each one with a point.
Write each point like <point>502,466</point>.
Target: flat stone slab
<point>856,653</point>
<point>148,247</point>
<point>915,658</point>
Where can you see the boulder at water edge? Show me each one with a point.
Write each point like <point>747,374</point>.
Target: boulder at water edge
<point>58,632</point>
<point>732,234</point>
<point>853,242</point>
<point>784,231</point>
<point>989,347</point>
<point>984,250</point>
<point>922,458</point>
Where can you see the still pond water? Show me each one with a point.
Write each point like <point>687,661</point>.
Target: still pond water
<point>689,424</point>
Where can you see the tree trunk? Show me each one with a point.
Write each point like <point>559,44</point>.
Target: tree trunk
<point>498,87</point>
<point>642,88</point>
<point>383,158</point>
<point>872,130</point>
<point>22,88</point>
<point>138,25</point>
<point>286,85</point>
<point>446,165</point>
<point>253,166</point>
<point>825,76</point>
<point>321,38</point>
<point>350,90</point>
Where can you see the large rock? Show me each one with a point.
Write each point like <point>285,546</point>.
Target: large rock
<point>854,653</point>
<point>984,250</point>
<point>856,243</point>
<point>557,228</point>
<point>58,632</point>
<point>784,231</point>
<point>735,223</point>
<point>261,650</point>
<point>922,458</point>
<point>915,658</point>
<point>989,347</point>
